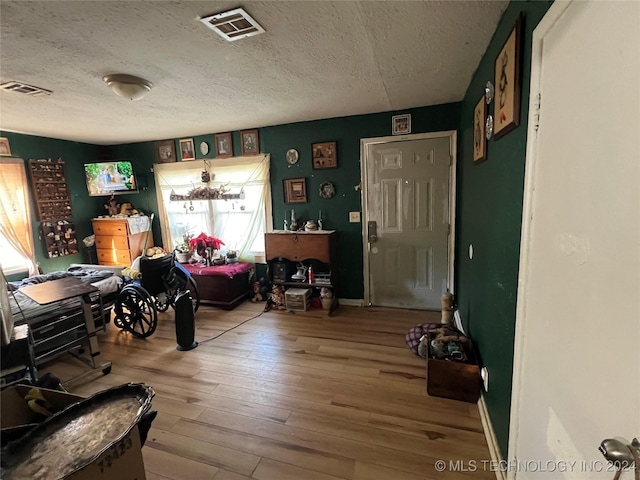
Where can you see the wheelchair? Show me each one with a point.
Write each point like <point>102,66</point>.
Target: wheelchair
<point>138,303</point>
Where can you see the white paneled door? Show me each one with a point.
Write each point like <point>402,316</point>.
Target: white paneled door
<point>407,221</point>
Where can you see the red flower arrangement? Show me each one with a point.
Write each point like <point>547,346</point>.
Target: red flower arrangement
<point>203,241</point>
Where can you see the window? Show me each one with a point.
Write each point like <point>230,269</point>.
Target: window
<point>16,241</point>
<point>240,224</point>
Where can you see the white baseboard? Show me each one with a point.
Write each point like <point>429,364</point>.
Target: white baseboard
<point>351,302</point>
<point>492,441</point>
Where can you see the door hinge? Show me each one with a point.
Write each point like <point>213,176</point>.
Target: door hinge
<point>536,115</point>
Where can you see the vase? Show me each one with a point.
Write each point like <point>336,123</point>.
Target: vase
<point>183,257</point>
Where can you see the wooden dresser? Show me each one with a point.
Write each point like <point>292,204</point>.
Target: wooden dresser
<point>116,244</point>
<point>318,249</point>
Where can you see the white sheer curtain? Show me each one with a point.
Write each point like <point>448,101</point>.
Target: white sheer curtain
<point>240,224</point>
<point>15,217</point>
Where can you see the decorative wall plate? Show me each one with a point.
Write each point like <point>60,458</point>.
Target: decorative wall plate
<point>327,190</point>
<point>489,127</point>
<point>489,92</point>
<point>204,148</point>
<point>292,156</point>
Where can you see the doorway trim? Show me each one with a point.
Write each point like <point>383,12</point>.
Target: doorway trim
<point>364,143</point>
<point>544,26</point>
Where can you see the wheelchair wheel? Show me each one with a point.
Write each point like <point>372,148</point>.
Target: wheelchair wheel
<point>136,311</point>
<point>163,301</point>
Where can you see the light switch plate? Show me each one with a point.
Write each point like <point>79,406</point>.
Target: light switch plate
<point>354,217</point>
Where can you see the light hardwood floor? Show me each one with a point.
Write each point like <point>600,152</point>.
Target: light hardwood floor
<point>291,397</point>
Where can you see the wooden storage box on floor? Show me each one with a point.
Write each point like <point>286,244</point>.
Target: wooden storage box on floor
<point>455,380</point>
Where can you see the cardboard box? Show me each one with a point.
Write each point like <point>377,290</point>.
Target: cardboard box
<point>15,410</point>
<point>122,461</point>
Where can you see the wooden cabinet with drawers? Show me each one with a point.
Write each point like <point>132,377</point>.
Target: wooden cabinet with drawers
<point>284,250</point>
<point>115,242</point>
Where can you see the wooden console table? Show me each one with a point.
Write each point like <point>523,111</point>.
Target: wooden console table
<point>317,248</point>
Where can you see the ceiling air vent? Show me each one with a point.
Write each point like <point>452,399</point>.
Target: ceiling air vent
<point>30,90</point>
<point>233,25</point>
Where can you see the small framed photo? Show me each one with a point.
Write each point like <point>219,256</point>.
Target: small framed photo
<point>4,147</point>
<point>166,151</point>
<point>187,150</point>
<point>401,124</point>
<point>250,142</point>
<point>508,83</point>
<point>324,155</point>
<point>479,137</point>
<point>295,190</point>
<point>224,145</point>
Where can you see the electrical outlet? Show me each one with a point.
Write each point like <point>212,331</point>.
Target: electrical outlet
<point>354,217</point>
<point>484,373</point>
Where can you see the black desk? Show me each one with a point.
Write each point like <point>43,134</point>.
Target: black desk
<point>63,289</point>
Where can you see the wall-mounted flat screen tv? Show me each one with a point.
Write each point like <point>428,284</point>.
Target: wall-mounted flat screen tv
<point>110,178</point>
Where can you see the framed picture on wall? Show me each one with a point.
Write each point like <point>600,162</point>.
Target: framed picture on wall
<point>187,150</point>
<point>295,190</point>
<point>401,124</point>
<point>224,145</point>
<point>324,155</point>
<point>508,83</point>
<point>166,151</point>
<point>250,142</point>
<point>4,147</point>
<point>479,138</point>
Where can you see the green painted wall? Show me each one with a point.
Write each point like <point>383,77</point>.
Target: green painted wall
<point>75,155</point>
<point>489,218</point>
<point>346,131</point>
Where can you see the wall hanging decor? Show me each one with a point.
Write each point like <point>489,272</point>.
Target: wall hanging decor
<point>166,151</point>
<point>401,124</point>
<point>187,150</point>
<point>479,140</point>
<point>327,190</point>
<point>508,80</point>
<point>4,147</point>
<point>295,190</point>
<point>324,155</point>
<point>224,145</point>
<point>250,142</point>
<point>292,156</point>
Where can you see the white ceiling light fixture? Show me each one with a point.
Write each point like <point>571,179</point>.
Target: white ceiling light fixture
<point>128,86</point>
<point>233,25</point>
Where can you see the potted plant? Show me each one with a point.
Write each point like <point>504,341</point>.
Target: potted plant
<point>204,243</point>
<point>183,249</point>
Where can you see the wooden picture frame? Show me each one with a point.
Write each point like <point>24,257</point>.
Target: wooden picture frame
<point>250,142</point>
<point>187,149</point>
<point>401,124</point>
<point>5,150</point>
<point>479,134</point>
<point>166,151</point>
<point>508,83</point>
<point>295,190</point>
<point>324,155</point>
<point>224,145</point>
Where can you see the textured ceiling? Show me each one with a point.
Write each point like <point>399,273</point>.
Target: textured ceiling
<point>317,59</point>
